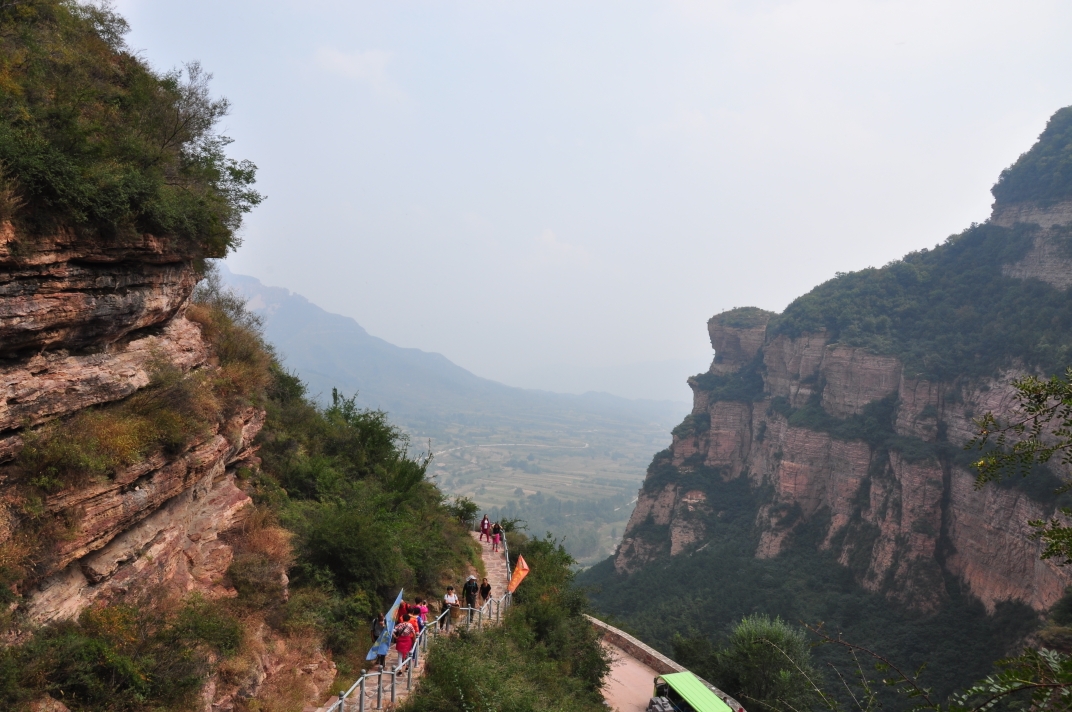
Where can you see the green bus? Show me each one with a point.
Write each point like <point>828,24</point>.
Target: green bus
<point>684,692</point>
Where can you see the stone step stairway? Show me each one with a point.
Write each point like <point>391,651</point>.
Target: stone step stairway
<point>387,690</point>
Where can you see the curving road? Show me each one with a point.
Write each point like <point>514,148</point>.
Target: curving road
<point>556,447</point>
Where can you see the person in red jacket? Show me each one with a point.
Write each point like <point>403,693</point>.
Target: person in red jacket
<point>405,634</point>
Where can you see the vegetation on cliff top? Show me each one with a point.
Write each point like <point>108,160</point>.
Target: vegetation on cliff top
<point>1044,174</point>
<point>947,313</point>
<point>91,137</point>
<point>742,317</point>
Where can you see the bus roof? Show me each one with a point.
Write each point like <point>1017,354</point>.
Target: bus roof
<point>695,692</point>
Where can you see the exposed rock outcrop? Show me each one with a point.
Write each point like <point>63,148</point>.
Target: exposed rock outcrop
<point>75,292</point>
<point>1050,257</point>
<point>54,383</point>
<point>152,525</point>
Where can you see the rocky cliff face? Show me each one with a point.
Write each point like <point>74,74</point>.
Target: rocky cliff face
<point>86,322</point>
<point>904,513</point>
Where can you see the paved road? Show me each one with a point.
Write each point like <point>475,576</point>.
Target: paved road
<point>628,686</point>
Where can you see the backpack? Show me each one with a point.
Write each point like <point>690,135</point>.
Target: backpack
<point>403,629</point>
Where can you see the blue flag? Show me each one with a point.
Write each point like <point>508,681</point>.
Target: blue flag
<point>383,643</point>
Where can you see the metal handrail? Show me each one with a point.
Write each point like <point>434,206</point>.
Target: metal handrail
<point>506,552</point>
<point>420,645</point>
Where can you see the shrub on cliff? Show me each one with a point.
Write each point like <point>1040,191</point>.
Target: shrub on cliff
<point>121,658</point>
<point>765,663</point>
<point>91,137</point>
<point>365,520</point>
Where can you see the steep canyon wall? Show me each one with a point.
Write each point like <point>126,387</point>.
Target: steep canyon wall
<point>899,507</point>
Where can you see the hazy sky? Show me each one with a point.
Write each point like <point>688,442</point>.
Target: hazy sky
<point>540,188</point>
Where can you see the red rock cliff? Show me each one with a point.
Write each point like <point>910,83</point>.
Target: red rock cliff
<point>87,322</point>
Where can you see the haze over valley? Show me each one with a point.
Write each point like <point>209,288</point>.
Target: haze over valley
<point>570,464</point>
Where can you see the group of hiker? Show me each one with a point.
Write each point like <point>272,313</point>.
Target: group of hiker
<point>492,530</point>
<point>412,618</point>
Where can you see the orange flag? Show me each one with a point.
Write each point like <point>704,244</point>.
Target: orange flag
<point>520,572</point>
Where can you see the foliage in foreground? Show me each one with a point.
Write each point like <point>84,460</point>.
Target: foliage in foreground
<point>1041,430</point>
<point>92,138</point>
<point>122,657</point>
<point>545,657</point>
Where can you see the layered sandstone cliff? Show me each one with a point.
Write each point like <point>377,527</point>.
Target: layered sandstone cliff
<point>902,516</point>
<point>88,323</point>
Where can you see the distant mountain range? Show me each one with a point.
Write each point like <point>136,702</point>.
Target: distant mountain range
<point>425,392</point>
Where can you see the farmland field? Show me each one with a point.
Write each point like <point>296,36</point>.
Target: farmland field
<point>580,482</point>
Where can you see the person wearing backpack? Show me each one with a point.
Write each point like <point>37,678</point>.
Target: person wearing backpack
<point>404,637</point>
<point>470,589</point>
<point>379,625</point>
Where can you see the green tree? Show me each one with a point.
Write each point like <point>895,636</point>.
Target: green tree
<point>765,663</point>
<point>94,139</point>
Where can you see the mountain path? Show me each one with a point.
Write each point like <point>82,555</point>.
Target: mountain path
<point>498,576</point>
